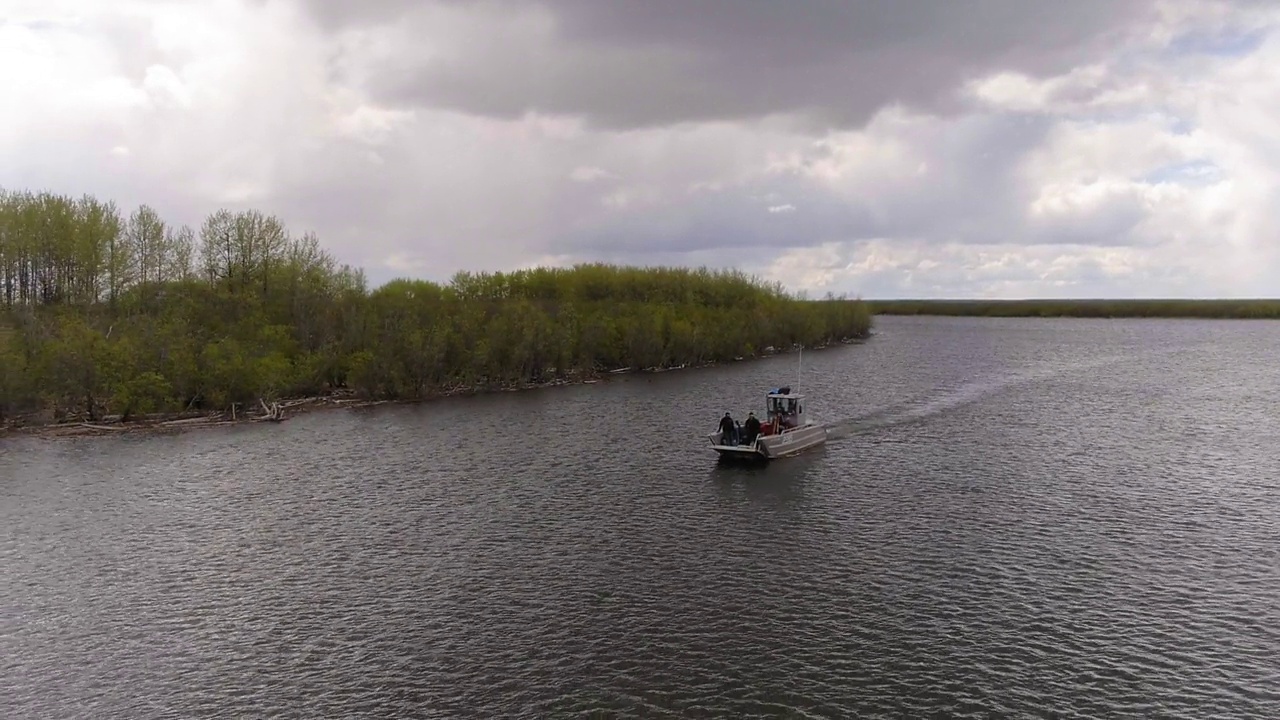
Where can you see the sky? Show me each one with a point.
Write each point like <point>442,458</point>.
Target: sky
<point>874,148</point>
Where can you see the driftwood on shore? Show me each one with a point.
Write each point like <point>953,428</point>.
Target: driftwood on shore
<point>75,425</point>
<point>113,428</point>
<point>202,420</point>
<point>272,412</point>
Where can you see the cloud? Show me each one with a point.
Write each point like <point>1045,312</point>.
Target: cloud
<point>888,269</point>
<point>622,64</point>
<point>586,174</point>
<point>999,147</point>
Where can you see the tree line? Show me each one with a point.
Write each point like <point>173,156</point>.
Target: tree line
<point>103,313</point>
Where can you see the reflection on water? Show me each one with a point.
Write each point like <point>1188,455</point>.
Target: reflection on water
<point>779,482</point>
<point>1069,518</point>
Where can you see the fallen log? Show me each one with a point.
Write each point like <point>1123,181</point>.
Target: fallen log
<point>193,421</point>
<point>113,428</point>
<point>300,401</point>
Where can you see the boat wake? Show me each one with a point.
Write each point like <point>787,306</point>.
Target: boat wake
<point>924,407</point>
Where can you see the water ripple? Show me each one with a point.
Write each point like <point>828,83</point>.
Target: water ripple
<point>1009,523</point>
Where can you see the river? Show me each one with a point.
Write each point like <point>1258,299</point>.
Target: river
<point>1014,517</point>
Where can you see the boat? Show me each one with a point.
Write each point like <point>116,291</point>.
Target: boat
<point>785,431</point>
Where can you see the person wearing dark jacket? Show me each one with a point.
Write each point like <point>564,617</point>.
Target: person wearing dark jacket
<point>752,428</point>
<point>730,431</point>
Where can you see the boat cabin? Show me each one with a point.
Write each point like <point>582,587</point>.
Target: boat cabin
<point>784,410</point>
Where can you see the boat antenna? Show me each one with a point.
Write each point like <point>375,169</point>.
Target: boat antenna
<point>799,365</point>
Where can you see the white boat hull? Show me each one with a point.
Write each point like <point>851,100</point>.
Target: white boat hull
<point>769,447</point>
<point>792,442</point>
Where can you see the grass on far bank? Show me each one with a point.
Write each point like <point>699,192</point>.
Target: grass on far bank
<point>1100,308</point>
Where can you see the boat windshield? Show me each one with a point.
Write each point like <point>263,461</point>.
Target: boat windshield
<point>782,406</point>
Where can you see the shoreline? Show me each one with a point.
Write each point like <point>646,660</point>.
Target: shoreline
<point>1147,308</point>
<point>178,422</point>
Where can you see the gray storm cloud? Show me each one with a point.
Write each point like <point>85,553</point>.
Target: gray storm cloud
<point>624,64</point>
<point>898,147</point>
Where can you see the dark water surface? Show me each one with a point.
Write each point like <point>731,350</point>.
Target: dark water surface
<point>1049,518</point>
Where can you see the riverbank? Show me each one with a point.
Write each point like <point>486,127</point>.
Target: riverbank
<point>279,411</point>
<point>1252,309</point>
<point>274,316</point>
<point>283,409</point>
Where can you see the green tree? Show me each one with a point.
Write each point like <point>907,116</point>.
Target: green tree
<point>101,315</point>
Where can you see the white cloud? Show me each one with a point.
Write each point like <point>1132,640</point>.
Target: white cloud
<point>586,174</point>
<point>896,268</point>
<point>1149,167</point>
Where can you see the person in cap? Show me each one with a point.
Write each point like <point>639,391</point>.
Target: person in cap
<point>752,427</point>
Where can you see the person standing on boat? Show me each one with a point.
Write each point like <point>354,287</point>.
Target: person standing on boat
<point>730,431</point>
<point>752,427</point>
